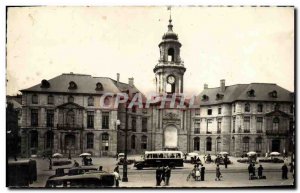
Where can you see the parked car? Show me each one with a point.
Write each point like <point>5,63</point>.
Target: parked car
<point>21,173</point>
<point>271,160</point>
<point>71,171</point>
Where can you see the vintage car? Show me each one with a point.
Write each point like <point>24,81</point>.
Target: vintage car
<point>71,171</point>
<point>87,180</point>
<point>21,173</point>
<point>271,160</point>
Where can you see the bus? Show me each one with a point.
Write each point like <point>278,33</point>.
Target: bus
<point>160,158</point>
<point>87,180</point>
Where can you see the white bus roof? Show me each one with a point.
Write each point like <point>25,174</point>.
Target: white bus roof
<point>148,152</point>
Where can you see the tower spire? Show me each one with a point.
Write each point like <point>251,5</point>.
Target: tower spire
<point>170,26</point>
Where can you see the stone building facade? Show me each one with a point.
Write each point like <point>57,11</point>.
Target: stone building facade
<point>63,115</point>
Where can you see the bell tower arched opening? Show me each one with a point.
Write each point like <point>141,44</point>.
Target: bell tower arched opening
<point>171,55</point>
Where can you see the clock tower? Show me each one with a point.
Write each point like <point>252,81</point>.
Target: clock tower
<point>170,68</point>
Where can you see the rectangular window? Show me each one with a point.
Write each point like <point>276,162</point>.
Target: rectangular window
<point>50,118</point>
<point>259,124</point>
<point>90,141</point>
<point>258,146</point>
<point>209,111</point>
<point>208,126</point>
<point>34,117</point>
<point>144,124</point>
<point>105,142</point>
<point>246,124</point>
<point>219,125</point>
<point>133,124</point>
<point>219,110</point>
<point>197,112</point>
<point>246,147</point>
<point>50,100</point>
<point>233,125</point>
<point>197,127</point>
<point>90,119</point>
<point>105,120</point>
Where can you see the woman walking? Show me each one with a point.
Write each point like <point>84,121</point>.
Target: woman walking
<point>218,173</point>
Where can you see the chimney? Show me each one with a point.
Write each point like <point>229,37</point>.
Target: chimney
<point>118,78</point>
<point>205,86</point>
<point>222,85</point>
<point>131,81</point>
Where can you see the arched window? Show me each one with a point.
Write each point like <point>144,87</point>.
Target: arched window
<point>275,124</point>
<point>196,144</point>
<point>91,101</point>
<point>258,144</point>
<point>144,142</point>
<point>50,99</point>
<point>105,142</point>
<point>34,99</point>
<point>90,141</point>
<point>71,99</point>
<point>133,142</point>
<point>208,144</point>
<point>246,144</point>
<point>218,144</point>
<point>171,55</point>
<point>247,107</point>
<point>49,140</point>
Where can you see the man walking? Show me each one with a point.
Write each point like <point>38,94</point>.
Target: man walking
<point>250,170</point>
<point>218,173</point>
<point>284,171</point>
<point>260,171</point>
<point>225,161</point>
<point>158,175</point>
<point>167,175</point>
<point>202,172</point>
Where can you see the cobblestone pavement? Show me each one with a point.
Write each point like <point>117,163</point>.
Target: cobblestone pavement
<point>236,175</point>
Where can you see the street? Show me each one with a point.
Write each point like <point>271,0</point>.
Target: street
<point>236,175</point>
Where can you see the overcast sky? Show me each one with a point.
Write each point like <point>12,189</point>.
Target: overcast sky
<point>241,45</point>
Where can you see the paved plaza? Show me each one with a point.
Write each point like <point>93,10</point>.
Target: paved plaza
<point>236,175</point>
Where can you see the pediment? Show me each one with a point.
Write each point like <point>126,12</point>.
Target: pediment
<point>70,105</point>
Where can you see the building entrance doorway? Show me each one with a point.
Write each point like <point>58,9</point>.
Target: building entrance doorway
<point>170,137</point>
<point>276,145</point>
<point>70,144</point>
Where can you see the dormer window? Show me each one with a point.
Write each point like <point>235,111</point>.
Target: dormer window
<point>273,94</point>
<point>251,93</point>
<point>72,85</point>
<point>99,87</point>
<point>91,101</point>
<point>71,99</point>
<point>219,96</point>
<point>205,98</point>
<point>45,84</point>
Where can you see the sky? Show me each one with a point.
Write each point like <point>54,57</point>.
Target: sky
<point>239,44</point>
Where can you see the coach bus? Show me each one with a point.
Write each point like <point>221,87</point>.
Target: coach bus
<point>160,158</point>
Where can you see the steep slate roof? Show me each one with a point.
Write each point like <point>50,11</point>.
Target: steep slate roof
<point>86,84</point>
<point>238,92</point>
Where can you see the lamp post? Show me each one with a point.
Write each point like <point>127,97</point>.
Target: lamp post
<point>125,178</point>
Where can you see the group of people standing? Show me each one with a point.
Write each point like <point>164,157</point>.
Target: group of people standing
<point>163,174</point>
<point>198,172</point>
<point>252,172</point>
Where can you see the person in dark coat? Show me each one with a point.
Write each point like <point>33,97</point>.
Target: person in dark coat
<point>225,161</point>
<point>253,169</point>
<point>202,172</point>
<point>163,172</point>
<point>284,171</point>
<point>260,171</point>
<point>250,170</point>
<point>167,175</point>
<point>158,176</point>
<point>218,173</point>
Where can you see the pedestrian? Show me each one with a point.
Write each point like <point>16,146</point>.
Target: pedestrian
<point>163,173</point>
<point>158,175</point>
<point>284,171</point>
<point>253,169</point>
<point>100,168</point>
<point>225,161</point>
<point>167,175</point>
<point>69,157</point>
<point>260,171</point>
<point>116,169</point>
<point>250,170</point>
<point>117,177</point>
<point>202,172</point>
<point>76,164</point>
<point>218,173</point>
<point>292,167</point>
<point>197,172</point>
<point>117,156</point>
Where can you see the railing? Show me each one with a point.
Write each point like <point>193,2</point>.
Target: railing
<point>277,132</point>
<point>70,126</point>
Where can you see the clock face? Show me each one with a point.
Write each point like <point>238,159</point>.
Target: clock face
<point>171,79</point>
